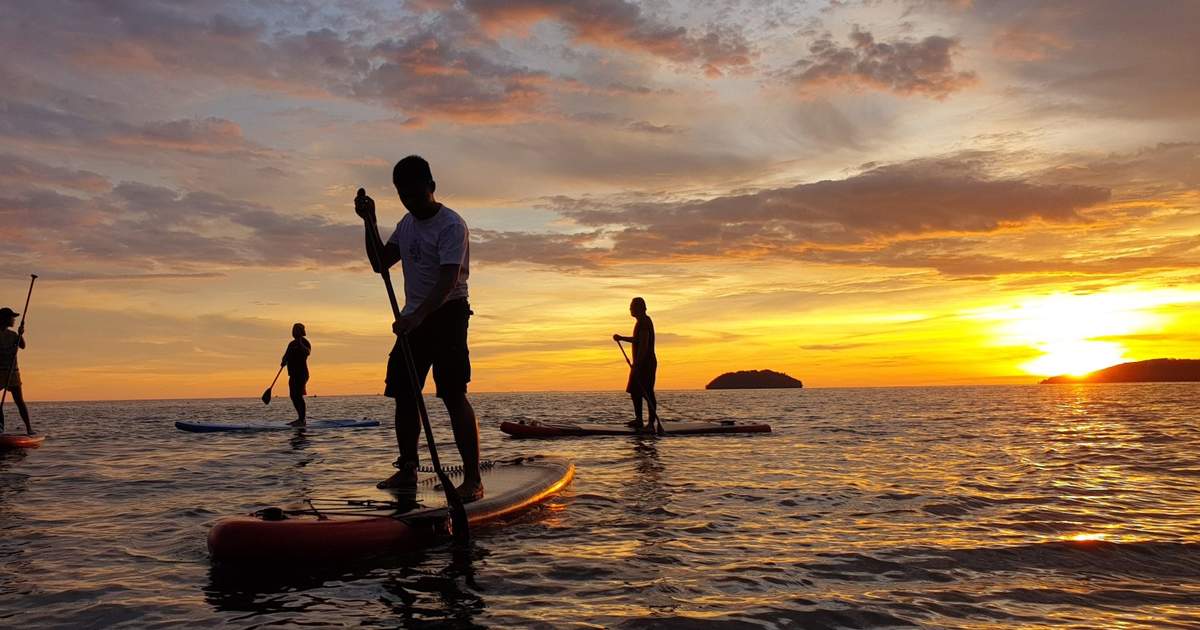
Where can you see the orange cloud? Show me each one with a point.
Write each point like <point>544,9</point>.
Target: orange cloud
<point>622,25</point>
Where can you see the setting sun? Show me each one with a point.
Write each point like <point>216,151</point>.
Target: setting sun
<point>1077,334</point>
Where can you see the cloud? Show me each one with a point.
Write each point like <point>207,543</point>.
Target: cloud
<point>836,221</point>
<point>833,347</point>
<point>916,197</point>
<point>1109,57</point>
<point>434,69</point>
<point>208,136</point>
<point>906,67</point>
<point>429,75</point>
<point>621,25</point>
<point>955,215</point>
<point>135,228</point>
<point>38,113</point>
<point>17,171</point>
<point>553,250</point>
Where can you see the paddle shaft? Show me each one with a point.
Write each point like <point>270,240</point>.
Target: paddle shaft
<point>458,513</point>
<point>649,401</point>
<point>12,364</point>
<point>266,395</point>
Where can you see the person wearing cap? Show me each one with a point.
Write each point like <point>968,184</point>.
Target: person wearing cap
<point>296,360</point>
<point>10,373</point>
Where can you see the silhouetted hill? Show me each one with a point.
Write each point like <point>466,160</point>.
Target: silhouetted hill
<point>1152,371</point>
<point>754,379</point>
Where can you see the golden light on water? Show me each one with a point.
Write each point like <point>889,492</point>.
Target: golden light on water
<point>1077,334</point>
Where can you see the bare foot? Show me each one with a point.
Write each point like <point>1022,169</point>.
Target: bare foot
<point>470,490</point>
<point>405,478</point>
<point>296,423</point>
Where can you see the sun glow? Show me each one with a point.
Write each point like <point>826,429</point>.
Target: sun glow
<point>1075,333</point>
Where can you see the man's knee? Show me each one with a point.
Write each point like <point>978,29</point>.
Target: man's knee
<point>455,400</point>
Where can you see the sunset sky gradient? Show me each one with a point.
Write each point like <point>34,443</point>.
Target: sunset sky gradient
<point>876,192</point>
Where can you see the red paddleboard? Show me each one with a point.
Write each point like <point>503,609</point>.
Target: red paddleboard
<point>537,429</point>
<point>13,440</point>
<point>346,529</point>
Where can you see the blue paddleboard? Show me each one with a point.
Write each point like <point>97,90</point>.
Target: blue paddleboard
<point>214,427</point>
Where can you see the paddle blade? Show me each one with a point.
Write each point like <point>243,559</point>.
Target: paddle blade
<point>459,525</point>
<point>266,397</point>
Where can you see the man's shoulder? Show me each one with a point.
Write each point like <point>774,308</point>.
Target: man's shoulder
<point>450,217</point>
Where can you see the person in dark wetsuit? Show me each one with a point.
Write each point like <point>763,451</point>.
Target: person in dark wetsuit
<point>296,360</point>
<point>644,365</point>
<point>10,343</point>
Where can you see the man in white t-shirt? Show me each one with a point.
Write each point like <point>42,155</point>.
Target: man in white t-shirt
<point>431,244</point>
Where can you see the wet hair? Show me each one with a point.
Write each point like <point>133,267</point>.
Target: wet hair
<point>412,170</point>
<point>637,301</point>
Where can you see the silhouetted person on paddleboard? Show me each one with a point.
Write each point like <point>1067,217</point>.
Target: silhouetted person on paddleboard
<point>10,343</point>
<point>644,365</point>
<point>431,243</point>
<point>296,360</point>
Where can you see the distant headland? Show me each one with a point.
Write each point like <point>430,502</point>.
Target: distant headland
<point>754,379</point>
<point>1152,371</point>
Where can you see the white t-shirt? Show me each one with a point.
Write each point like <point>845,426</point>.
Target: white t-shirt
<point>427,244</point>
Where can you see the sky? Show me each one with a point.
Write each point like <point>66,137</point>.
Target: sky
<point>854,192</point>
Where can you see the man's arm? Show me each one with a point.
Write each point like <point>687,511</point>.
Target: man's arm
<point>389,252</point>
<point>21,336</point>
<point>364,207</point>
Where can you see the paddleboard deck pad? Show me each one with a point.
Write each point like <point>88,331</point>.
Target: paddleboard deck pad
<point>535,429</point>
<point>333,530</point>
<point>14,440</point>
<point>216,427</point>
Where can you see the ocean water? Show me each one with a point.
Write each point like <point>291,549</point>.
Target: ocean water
<point>1064,506</point>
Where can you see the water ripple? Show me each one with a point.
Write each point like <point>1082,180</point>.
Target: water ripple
<point>1064,506</point>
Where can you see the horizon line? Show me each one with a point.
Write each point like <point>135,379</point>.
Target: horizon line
<point>575,391</point>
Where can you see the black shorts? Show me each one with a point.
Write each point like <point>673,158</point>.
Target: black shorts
<point>296,385</point>
<point>441,342</point>
<point>642,379</point>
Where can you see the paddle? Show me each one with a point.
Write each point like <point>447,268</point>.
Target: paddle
<point>13,363</point>
<point>458,514</point>
<point>653,405</point>
<point>267,394</point>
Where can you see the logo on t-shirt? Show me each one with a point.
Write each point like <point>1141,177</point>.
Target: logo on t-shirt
<point>414,250</point>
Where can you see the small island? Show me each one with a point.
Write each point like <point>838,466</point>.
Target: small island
<point>754,379</point>
<point>1152,371</point>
